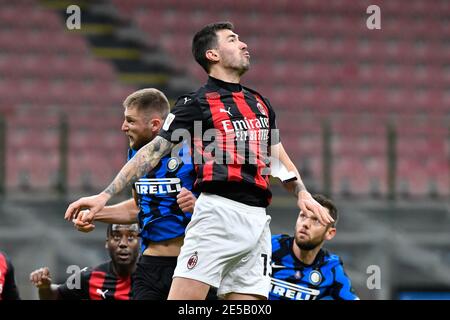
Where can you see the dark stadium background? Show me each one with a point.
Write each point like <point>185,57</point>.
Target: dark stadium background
<point>364,114</point>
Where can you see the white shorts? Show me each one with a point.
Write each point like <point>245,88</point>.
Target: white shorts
<point>228,246</point>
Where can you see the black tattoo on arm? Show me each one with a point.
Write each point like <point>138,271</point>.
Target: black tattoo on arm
<point>145,160</point>
<point>299,186</point>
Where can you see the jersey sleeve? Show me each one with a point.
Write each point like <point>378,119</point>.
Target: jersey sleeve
<point>342,288</point>
<point>71,291</point>
<point>181,119</point>
<point>10,291</point>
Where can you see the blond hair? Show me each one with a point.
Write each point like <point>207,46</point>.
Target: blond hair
<point>148,100</point>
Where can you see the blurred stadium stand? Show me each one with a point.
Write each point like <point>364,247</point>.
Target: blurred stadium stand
<point>61,93</point>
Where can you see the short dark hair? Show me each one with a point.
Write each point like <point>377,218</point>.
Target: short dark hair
<point>148,99</point>
<point>109,228</point>
<point>206,39</point>
<point>327,203</point>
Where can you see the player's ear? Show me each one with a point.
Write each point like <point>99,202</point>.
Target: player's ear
<point>212,55</point>
<point>331,232</point>
<point>156,124</point>
<point>106,244</point>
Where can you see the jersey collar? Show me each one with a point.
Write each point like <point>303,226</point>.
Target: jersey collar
<point>233,87</point>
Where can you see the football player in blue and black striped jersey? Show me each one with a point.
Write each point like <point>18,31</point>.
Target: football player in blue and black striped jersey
<point>163,201</point>
<point>302,269</point>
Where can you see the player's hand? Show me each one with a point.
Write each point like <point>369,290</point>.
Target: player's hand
<point>186,200</point>
<point>83,226</point>
<point>308,205</point>
<point>41,278</point>
<point>93,203</point>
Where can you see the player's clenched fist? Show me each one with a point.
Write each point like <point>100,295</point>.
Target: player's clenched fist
<point>41,278</point>
<point>79,223</point>
<point>186,200</point>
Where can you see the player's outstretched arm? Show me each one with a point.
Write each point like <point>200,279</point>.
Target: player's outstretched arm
<point>305,201</point>
<point>41,278</point>
<point>145,160</point>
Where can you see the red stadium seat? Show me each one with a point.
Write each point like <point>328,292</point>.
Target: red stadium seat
<point>314,60</point>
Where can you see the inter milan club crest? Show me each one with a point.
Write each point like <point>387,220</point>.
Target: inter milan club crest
<point>315,277</point>
<point>172,164</point>
<point>261,108</point>
<point>192,262</point>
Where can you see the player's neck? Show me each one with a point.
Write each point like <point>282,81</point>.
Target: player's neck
<point>225,75</point>
<point>305,256</point>
<point>123,271</point>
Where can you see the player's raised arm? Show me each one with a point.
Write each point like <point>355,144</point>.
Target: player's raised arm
<point>42,279</point>
<point>297,187</point>
<point>145,160</point>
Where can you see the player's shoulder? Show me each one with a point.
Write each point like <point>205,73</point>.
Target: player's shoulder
<point>186,99</point>
<point>5,258</point>
<point>251,90</point>
<point>85,271</point>
<point>82,273</point>
<point>255,92</point>
<point>331,259</point>
<point>102,267</point>
<point>278,240</point>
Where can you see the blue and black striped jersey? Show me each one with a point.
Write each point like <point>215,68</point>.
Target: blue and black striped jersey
<point>160,217</point>
<point>291,279</point>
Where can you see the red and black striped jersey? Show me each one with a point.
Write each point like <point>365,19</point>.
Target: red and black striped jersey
<point>8,287</point>
<point>99,283</point>
<point>231,128</point>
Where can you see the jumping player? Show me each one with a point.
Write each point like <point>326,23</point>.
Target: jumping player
<point>233,130</point>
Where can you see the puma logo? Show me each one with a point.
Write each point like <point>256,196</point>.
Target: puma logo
<point>102,293</point>
<point>226,111</point>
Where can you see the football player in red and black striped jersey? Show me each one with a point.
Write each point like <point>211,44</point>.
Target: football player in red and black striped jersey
<point>108,281</point>
<point>233,132</point>
<point>8,287</point>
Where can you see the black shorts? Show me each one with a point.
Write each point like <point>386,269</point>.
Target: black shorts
<point>153,278</point>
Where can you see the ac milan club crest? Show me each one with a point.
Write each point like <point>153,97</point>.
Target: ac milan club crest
<point>261,108</point>
<point>192,262</point>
